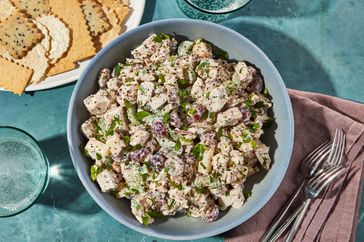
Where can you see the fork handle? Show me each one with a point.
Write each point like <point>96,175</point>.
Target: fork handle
<point>278,219</point>
<point>285,225</point>
<point>298,221</point>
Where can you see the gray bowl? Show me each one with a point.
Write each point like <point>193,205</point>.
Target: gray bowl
<point>279,136</point>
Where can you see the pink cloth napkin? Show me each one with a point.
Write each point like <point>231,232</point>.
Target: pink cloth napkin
<point>316,117</point>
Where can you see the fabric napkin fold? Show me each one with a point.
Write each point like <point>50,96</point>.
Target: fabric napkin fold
<point>316,117</point>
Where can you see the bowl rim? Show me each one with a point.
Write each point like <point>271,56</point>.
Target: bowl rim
<point>109,209</point>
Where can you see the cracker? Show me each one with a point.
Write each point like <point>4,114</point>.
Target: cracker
<point>119,7</point>
<point>34,8</point>
<point>46,41</point>
<point>6,9</point>
<point>36,59</point>
<point>60,36</point>
<point>18,35</point>
<point>81,43</point>
<point>95,17</point>
<point>13,77</point>
<point>114,32</point>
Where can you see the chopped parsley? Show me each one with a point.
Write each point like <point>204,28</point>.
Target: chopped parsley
<point>160,37</point>
<point>178,145</point>
<point>203,65</point>
<point>84,151</point>
<point>221,54</point>
<point>178,186</point>
<point>162,78</point>
<point>141,89</point>
<point>155,214</point>
<point>98,156</point>
<point>165,118</point>
<point>247,194</point>
<point>170,205</point>
<point>219,133</point>
<point>95,170</point>
<point>259,104</point>
<point>198,151</point>
<point>116,70</point>
<point>254,144</point>
<point>145,220</point>
<point>200,190</point>
<point>126,139</point>
<point>254,126</point>
<point>114,122</point>
<point>182,82</point>
<point>142,114</point>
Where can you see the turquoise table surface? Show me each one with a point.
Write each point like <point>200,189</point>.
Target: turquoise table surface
<point>316,46</point>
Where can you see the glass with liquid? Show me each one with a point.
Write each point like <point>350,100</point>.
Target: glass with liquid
<point>23,171</point>
<point>211,10</point>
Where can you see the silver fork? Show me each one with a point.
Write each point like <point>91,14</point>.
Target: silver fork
<point>334,160</point>
<point>308,167</point>
<point>314,187</point>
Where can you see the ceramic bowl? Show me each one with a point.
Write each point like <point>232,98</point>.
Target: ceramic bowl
<point>279,136</point>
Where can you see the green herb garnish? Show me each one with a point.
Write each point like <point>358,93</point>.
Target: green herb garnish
<point>200,190</point>
<point>114,122</point>
<point>141,89</point>
<point>162,78</point>
<point>178,186</point>
<point>254,126</point>
<point>247,194</point>
<point>116,70</point>
<point>259,104</point>
<point>178,145</point>
<point>95,170</point>
<point>84,151</point>
<point>127,104</point>
<point>165,117</point>
<point>254,144</point>
<point>182,82</point>
<point>145,220</point>
<point>219,133</point>
<point>126,139</point>
<point>142,114</point>
<point>222,55</point>
<point>198,151</point>
<point>170,205</point>
<point>98,156</point>
<point>155,214</point>
<point>160,37</point>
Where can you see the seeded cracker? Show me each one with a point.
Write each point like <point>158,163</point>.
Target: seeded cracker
<point>36,59</point>
<point>60,36</point>
<point>114,32</point>
<point>119,7</point>
<point>18,35</point>
<point>34,8</point>
<point>6,9</point>
<point>13,77</point>
<point>81,44</point>
<point>95,17</point>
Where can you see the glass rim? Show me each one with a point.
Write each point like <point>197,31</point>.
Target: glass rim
<point>46,179</point>
<point>216,11</point>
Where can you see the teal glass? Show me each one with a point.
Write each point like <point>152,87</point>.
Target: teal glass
<point>23,171</point>
<point>214,10</point>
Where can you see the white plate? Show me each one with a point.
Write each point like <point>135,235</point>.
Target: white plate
<point>137,8</point>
